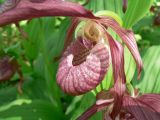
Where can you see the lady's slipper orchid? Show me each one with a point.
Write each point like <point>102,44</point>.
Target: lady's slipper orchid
<point>85,62</point>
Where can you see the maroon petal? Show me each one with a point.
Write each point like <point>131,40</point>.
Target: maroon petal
<point>119,89</point>
<point>70,32</point>
<point>151,100</point>
<point>82,69</point>
<point>117,54</point>
<point>139,110</point>
<point>127,37</point>
<point>95,108</point>
<point>27,9</point>
<point>88,113</point>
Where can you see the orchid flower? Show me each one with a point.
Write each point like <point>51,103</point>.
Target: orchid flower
<point>87,57</point>
<point>86,60</point>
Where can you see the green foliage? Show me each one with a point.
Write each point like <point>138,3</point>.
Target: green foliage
<point>27,110</point>
<point>42,99</point>
<point>150,80</point>
<point>135,11</point>
<point>83,105</point>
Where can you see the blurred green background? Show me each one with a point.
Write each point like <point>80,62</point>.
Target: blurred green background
<point>42,99</point>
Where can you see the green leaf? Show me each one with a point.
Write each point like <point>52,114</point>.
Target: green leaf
<point>150,79</point>
<point>151,35</point>
<point>33,88</point>
<point>52,45</point>
<point>135,11</point>
<point>7,94</point>
<point>32,44</point>
<point>36,110</point>
<point>130,65</point>
<point>85,102</point>
<point>111,5</point>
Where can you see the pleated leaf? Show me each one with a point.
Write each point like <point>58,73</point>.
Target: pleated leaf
<point>28,110</point>
<point>136,9</point>
<point>150,79</point>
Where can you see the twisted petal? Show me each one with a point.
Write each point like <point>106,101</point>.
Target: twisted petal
<point>81,69</point>
<point>71,29</point>
<point>117,53</point>
<point>142,108</point>
<point>27,9</point>
<point>127,37</point>
<point>95,108</point>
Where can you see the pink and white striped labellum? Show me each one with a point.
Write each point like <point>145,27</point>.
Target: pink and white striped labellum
<point>84,63</point>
